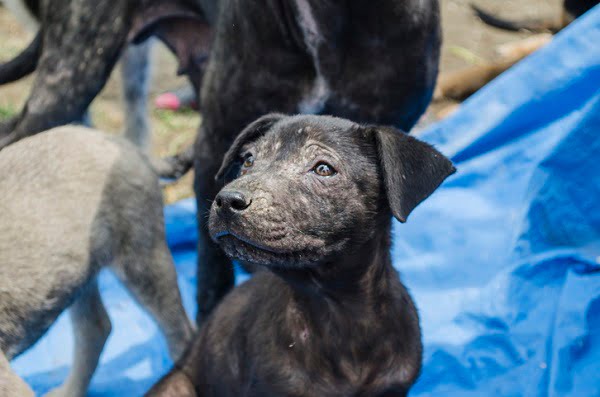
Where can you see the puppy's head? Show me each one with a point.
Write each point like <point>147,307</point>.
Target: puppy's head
<point>305,189</point>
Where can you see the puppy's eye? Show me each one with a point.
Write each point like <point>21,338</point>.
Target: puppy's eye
<point>323,169</point>
<point>248,161</point>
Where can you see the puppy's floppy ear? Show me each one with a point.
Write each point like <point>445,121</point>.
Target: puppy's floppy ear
<point>411,169</point>
<point>252,132</point>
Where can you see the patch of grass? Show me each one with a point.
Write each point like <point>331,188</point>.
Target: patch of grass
<point>6,112</point>
<point>466,55</point>
<point>173,119</point>
<point>174,130</point>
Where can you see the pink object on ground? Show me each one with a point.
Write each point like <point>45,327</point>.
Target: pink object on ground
<point>168,100</point>
<point>181,98</point>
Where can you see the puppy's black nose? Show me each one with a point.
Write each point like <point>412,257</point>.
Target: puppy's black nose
<point>230,201</point>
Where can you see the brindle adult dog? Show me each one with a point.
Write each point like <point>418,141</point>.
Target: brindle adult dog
<point>373,62</point>
<point>312,204</point>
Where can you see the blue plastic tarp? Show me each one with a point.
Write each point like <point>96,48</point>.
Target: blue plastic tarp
<point>502,261</point>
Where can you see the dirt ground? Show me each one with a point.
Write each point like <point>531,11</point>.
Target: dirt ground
<point>466,41</point>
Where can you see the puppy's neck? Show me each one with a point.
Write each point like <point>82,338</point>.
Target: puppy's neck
<point>358,277</point>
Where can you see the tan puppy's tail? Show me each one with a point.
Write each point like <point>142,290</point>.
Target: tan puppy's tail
<point>174,167</point>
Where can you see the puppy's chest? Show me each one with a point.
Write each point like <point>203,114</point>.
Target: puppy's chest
<point>323,373</point>
<point>329,362</point>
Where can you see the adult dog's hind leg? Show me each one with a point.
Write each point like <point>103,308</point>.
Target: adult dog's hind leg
<point>75,63</point>
<point>91,327</point>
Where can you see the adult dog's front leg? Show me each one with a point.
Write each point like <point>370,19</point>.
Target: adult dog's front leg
<point>215,270</point>
<point>91,326</point>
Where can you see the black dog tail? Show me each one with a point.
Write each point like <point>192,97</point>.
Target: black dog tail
<point>533,25</point>
<point>174,167</point>
<point>24,63</point>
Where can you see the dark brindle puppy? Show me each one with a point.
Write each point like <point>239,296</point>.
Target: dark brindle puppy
<point>312,203</point>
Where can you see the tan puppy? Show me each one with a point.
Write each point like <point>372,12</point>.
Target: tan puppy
<point>72,201</point>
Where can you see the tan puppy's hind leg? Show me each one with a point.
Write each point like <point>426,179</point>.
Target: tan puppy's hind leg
<point>150,276</point>
<point>91,326</point>
<point>10,383</point>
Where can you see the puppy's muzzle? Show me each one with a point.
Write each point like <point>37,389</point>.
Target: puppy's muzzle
<point>230,203</point>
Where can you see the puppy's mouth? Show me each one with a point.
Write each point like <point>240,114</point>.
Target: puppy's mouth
<point>244,249</point>
<point>247,241</point>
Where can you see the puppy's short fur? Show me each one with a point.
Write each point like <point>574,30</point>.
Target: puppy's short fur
<point>72,202</point>
<point>312,204</point>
